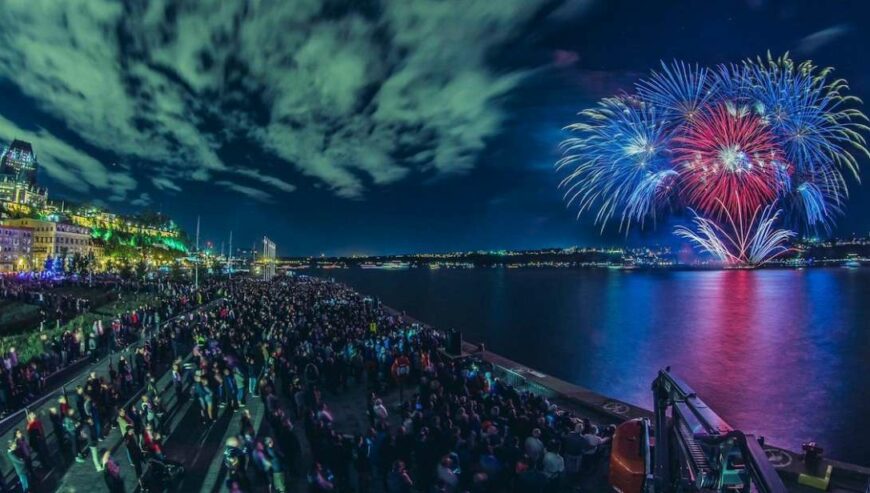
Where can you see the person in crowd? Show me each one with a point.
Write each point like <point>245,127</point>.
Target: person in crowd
<point>553,465</point>
<point>24,451</point>
<point>239,382</point>
<point>321,479</point>
<point>399,480</point>
<point>91,439</point>
<point>534,447</point>
<point>594,447</point>
<point>277,466</point>
<point>379,411</point>
<point>205,397</point>
<point>234,461</point>
<point>177,378</point>
<point>70,429</point>
<point>230,391</point>
<point>112,473</point>
<point>135,456</point>
<point>36,439</point>
<point>13,455</point>
<point>448,475</point>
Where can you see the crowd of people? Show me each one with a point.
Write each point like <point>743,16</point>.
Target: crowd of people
<point>83,416</point>
<point>23,381</point>
<point>47,292</point>
<point>435,423</point>
<point>454,428</point>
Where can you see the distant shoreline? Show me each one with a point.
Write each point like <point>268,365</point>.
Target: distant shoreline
<point>642,268</point>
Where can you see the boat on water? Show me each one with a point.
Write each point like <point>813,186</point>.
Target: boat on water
<point>395,265</point>
<point>852,261</point>
<point>333,265</point>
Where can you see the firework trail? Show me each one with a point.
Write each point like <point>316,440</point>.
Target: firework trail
<point>752,240</point>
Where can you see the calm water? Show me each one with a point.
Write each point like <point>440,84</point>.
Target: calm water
<point>782,353</point>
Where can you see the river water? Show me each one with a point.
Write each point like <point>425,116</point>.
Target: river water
<point>780,353</point>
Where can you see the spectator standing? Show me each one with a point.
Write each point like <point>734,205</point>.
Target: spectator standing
<point>36,436</point>
<point>534,447</point>
<point>553,466</point>
<point>19,465</point>
<point>134,451</point>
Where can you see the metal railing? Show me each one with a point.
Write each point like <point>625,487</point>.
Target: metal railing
<point>519,381</point>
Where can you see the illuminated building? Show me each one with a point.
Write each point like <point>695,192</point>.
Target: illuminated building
<point>19,162</point>
<point>16,248</point>
<point>64,230</point>
<point>18,196</point>
<point>98,219</point>
<point>55,239</point>
<point>18,190</point>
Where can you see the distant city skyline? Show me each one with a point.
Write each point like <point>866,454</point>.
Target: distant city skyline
<point>369,128</point>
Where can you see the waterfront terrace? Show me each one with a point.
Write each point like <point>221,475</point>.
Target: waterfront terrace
<point>300,384</point>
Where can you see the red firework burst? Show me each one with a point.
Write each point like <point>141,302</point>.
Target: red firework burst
<point>728,161</point>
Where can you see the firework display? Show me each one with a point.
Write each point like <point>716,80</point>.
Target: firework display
<point>757,152</point>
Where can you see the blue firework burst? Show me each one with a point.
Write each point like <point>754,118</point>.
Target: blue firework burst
<point>618,162</point>
<point>680,90</point>
<point>819,132</point>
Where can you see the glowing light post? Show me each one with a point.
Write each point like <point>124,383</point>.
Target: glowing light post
<point>268,258</point>
<point>230,257</point>
<point>196,258</point>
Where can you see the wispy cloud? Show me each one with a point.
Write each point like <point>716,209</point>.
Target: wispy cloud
<point>813,42</point>
<point>250,192</point>
<point>355,98</point>
<point>266,179</point>
<point>163,183</point>
<point>143,200</point>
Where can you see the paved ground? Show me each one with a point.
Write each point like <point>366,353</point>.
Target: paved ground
<point>209,474</point>
<point>349,412</point>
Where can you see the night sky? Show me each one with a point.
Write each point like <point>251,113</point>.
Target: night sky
<point>365,127</point>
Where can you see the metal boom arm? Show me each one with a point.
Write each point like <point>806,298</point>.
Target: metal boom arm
<point>706,452</point>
